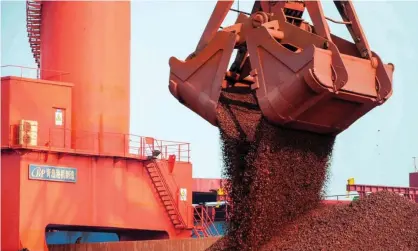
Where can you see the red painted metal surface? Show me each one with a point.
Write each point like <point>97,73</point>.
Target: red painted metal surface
<point>31,99</point>
<point>299,71</point>
<point>206,185</point>
<point>413,179</point>
<point>87,44</point>
<point>112,190</point>
<point>112,193</point>
<point>91,41</point>
<point>362,190</point>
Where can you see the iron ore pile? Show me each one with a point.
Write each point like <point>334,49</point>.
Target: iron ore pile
<point>277,178</point>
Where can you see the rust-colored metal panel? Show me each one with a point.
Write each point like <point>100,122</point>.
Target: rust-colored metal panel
<point>115,195</point>
<point>31,99</point>
<point>206,185</point>
<point>91,41</point>
<point>413,179</point>
<point>158,245</point>
<point>299,72</point>
<point>10,203</point>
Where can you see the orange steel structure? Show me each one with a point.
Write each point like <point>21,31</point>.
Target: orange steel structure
<point>304,77</point>
<point>68,161</point>
<point>91,41</point>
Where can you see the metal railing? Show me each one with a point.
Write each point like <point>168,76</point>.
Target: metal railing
<point>363,190</point>
<point>109,144</point>
<point>31,72</point>
<point>203,222</point>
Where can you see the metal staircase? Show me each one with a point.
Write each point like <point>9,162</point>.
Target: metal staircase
<point>164,193</point>
<point>33,26</point>
<point>203,225</point>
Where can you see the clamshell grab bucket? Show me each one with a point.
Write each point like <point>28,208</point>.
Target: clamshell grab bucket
<point>197,82</point>
<point>295,89</point>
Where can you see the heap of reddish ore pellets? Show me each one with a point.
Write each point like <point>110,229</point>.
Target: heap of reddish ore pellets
<point>276,179</point>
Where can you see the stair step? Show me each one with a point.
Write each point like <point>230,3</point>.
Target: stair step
<point>34,3</point>
<point>34,11</point>
<point>34,16</point>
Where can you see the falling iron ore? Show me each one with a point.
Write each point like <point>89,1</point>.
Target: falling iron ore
<point>274,174</point>
<point>276,180</point>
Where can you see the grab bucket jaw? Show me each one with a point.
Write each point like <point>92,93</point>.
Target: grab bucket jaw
<point>304,77</point>
<point>197,82</point>
<point>296,90</point>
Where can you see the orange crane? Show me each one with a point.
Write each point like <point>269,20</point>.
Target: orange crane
<point>304,77</point>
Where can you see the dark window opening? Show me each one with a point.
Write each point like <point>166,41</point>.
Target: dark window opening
<point>63,234</point>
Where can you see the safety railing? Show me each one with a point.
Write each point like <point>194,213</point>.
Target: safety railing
<point>109,144</point>
<point>362,190</point>
<point>203,222</point>
<point>146,145</point>
<point>30,72</point>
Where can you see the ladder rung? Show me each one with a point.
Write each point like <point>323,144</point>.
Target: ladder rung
<point>33,11</point>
